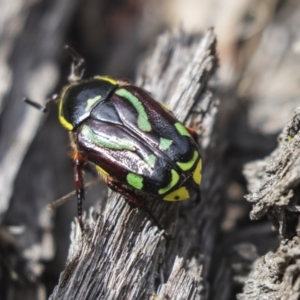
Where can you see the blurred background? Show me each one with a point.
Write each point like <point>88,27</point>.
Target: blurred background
<point>257,83</point>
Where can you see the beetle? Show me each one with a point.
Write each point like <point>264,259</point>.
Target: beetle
<point>136,143</point>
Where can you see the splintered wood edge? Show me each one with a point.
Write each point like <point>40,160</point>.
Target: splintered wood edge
<point>273,179</point>
<point>275,275</point>
<point>112,259</point>
<point>274,184</point>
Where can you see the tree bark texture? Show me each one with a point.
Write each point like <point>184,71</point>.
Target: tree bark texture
<point>274,186</point>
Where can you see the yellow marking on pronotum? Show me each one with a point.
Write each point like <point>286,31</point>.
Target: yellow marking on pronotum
<point>197,173</point>
<point>178,195</point>
<point>188,165</point>
<point>106,78</point>
<point>91,101</point>
<point>62,120</point>
<point>174,180</point>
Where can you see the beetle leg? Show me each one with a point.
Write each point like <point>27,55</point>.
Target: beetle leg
<point>129,195</point>
<point>79,186</point>
<point>115,186</point>
<point>43,109</point>
<point>77,67</point>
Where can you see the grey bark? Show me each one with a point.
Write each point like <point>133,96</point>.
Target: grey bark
<point>274,185</point>
<point>31,38</point>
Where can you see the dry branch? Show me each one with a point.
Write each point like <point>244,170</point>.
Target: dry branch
<point>274,185</point>
<point>274,182</point>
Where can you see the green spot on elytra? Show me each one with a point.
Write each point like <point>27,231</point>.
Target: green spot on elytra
<point>174,180</point>
<point>142,121</point>
<point>181,129</point>
<point>164,144</point>
<point>91,101</point>
<point>150,160</point>
<point>188,165</point>
<point>105,141</point>
<point>135,180</point>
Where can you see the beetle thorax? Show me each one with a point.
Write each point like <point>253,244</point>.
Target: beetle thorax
<point>79,99</point>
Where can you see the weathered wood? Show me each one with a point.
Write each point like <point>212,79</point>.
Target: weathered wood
<point>275,275</point>
<point>35,71</point>
<point>274,185</point>
<point>32,37</point>
<point>269,90</point>
<point>274,182</point>
<point>122,255</point>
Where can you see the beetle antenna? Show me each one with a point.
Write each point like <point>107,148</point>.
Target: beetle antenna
<point>77,67</point>
<point>43,109</point>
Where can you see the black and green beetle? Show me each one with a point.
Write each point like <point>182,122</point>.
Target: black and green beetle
<point>136,143</point>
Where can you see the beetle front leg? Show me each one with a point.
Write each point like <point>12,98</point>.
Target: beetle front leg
<point>79,185</point>
<point>77,67</point>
